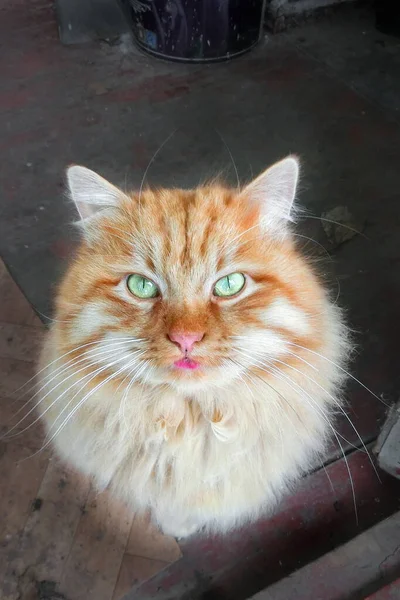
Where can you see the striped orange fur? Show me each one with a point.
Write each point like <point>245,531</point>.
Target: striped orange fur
<point>218,443</point>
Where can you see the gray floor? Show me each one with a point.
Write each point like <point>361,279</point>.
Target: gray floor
<point>354,52</point>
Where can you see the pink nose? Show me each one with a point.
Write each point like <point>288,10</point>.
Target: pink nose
<point>185,341</point>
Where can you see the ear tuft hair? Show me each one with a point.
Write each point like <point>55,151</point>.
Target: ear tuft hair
<point>91,192</point>
<point>274,191</point>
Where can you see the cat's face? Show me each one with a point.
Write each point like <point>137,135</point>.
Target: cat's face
<point>189,288</point>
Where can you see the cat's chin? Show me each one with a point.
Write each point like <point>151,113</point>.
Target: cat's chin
<point>189,379</point>
<point>194,380</point>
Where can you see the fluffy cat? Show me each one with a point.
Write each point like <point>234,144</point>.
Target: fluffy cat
<point>195,362</point>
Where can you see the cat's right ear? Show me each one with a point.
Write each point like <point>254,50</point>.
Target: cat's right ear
<point>91,192</point>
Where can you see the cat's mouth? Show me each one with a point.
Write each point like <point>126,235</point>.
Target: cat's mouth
<point>186,363</point>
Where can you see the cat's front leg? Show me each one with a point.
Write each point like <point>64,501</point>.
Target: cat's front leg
<point>177,527</point>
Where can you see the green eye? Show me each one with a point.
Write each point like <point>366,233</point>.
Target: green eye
<point>141,287</point>
<point>229,285</point>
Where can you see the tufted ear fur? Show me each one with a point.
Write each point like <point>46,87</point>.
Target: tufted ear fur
<point>275,190</point>
<point>91,192</point>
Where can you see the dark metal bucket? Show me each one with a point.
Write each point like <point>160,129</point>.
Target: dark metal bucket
<point>195,30</point>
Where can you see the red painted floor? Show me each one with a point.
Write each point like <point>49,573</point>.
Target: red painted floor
<point>389,592</point>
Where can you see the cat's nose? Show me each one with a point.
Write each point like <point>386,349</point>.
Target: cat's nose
<point>185,341</point>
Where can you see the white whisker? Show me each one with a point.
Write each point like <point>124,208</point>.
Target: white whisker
<point>75,372</point>
<point>252,377</point>
<point>329,479</point>
<point>134,375</point>
<point>232,159</point>
<point>314,242</point>
<point>271,365</point>
<point>80,403</point>
<point>336,434</point>
<point>86,397</point>
<point>237,237</point>
<point>151,162</point>
<point>337,404</point>
<point>72,363</point>
<point>63,356</point>
<point>306,216</point>
<point>341,369</point>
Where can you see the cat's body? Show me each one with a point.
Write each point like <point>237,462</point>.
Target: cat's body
<point>203,407</point>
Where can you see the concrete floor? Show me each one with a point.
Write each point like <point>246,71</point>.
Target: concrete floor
<point>329,91</point>
<point>355,53</point>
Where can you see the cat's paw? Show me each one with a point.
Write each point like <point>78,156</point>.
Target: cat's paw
<point>181,531</point>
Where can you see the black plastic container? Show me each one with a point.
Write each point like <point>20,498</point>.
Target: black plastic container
<point>195,30</point>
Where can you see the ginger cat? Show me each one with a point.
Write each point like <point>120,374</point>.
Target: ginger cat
<point>195,363</point>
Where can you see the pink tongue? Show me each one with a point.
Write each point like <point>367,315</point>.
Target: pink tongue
<point>186,363</point>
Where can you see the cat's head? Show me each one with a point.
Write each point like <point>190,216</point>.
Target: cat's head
<point>191,288</point>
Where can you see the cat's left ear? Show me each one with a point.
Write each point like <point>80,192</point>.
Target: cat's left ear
<point>274,191</point>
<point>91,192</point>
